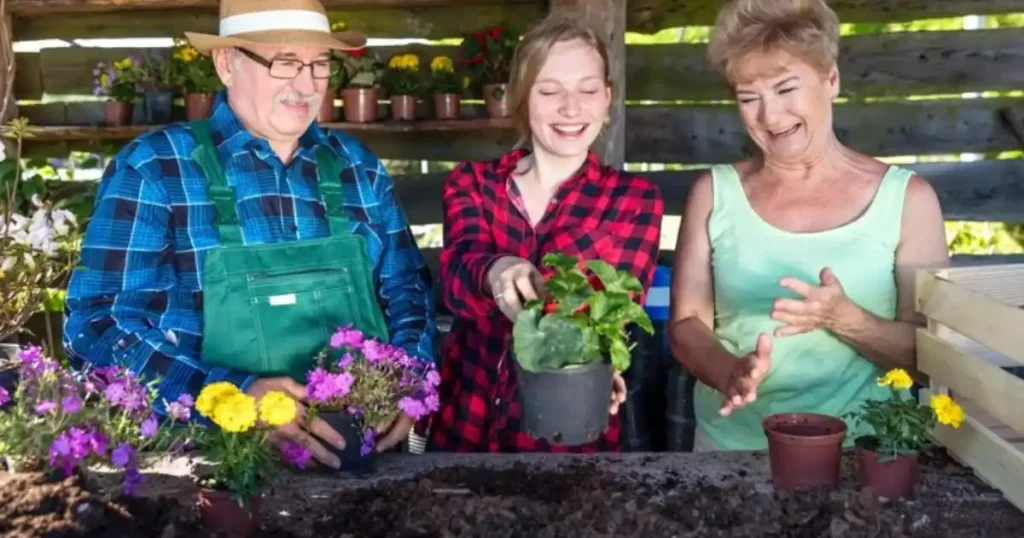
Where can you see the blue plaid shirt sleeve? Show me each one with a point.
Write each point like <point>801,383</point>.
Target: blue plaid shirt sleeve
<point>117,301</point>
<point>404,276</point>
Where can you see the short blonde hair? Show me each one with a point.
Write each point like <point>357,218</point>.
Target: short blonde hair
<point>806,29</point>
<point>532,52</point>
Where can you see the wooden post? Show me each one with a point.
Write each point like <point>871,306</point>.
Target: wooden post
<point>608,19</point>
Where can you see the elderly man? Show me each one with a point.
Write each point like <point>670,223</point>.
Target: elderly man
<point>229,249</point>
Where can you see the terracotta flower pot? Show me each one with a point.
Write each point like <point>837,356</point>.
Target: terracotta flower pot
<point>496,100</point>
<point>198,105</point>
<point>804,449</point>
<point>403,107</point>
<point>894,478</point>
<point>447,106</point>
<point>117,113</point>
<point>326,114</point>
<point>218,511</point>
<point>360,104</point>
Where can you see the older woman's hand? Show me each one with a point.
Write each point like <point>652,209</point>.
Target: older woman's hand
<point>821,306</point>
<point>740,388</point>
<point>514,281</point>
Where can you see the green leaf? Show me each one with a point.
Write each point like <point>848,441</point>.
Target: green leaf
<point>551,342</point>
<point>561,262</point>
<point>620,354</point>
<point>615,281</point>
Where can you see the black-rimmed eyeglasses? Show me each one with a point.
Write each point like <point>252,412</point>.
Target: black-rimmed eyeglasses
<point>289,68</point>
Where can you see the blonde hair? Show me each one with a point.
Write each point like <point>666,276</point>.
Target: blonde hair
<point>530,55</point>
<point>806,29</point>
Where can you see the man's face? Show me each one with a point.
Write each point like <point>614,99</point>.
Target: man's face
<point>274,108</point>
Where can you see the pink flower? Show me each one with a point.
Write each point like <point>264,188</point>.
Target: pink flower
<point>412,407</point>
<point>323,386</point>
<point>71,404</point>
<point>296,454</point>
<point>177,411</point>
<point>346,361</point>
<point>432,402</point>
<point>347,337</point>
<point>433,378</point>
<point>45,407</point>
<point>186,399</point>
<point>375,351</point>
<point>148,428</point>
<point>4,397</point>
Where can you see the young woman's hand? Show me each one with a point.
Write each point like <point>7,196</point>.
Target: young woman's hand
<point>513,281</point>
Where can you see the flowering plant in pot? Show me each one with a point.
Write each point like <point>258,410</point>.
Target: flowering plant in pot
<point>157,78</point>
<point>117,82</point>
<point>567,345</point>
<point>901,426</point>
<point>238,445</point>
<point>360,76</point>
<point>488,55</point>
<point>402,81</point>
<point>197,78</point>
<point>361,385</point>
<point>446,88</point>
<point>60,421</point>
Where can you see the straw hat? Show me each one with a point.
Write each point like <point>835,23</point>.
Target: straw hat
<point>275,22</point>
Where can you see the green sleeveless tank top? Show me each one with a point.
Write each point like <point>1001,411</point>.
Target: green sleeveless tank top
<point>811,372</point>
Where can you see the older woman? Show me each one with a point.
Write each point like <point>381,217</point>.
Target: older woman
<point>503,216</point>
<point>793,284</point>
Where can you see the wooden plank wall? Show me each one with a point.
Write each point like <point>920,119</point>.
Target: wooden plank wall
<point>659,129</point>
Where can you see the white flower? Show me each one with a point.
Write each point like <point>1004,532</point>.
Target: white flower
<point>15,223</point>
<point>7,263</point>
<point>3,152</point>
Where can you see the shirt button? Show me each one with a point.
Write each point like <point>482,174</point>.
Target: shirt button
<point>497,401</point>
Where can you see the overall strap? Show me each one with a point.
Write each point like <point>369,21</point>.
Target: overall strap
<point>220,193</point>
<point>329,167</point>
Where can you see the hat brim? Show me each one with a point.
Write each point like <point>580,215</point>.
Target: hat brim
<point>205,43</point>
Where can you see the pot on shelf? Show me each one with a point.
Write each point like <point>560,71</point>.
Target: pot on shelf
<point>158,107</point>
<point>326,114</point>
<point>218,511</point>
<point>117,113</point>
<point>496,100</point>
<point>447,106</point>
<point>403,107</point>
<point>352,460</point>
<point>359,104</point>
<point>804,449</point>
<point>198,105</point>
<point>888,477</point>
<point>567,406</point>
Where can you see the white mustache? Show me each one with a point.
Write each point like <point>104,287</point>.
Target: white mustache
<point>296,99</point>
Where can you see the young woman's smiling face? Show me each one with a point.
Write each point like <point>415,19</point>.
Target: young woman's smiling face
<point>569,101</point>
<point>785,104</point>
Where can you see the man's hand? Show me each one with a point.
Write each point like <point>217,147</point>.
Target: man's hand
<point>741,387</point>
<point>513,281</point>
<point>393,433</point>
<point>618,393</point>
<point>300,430</point>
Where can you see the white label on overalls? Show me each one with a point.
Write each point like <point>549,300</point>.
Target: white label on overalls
<point>282,300</point>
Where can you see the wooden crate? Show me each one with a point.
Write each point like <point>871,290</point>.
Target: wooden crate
<point>975,331</point>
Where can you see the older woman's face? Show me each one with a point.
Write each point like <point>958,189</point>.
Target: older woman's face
<point>569,101</point>
<point>785,104</point>
<point>273,108</point>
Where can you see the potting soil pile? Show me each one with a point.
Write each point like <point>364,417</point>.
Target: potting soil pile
<point>538,496</point>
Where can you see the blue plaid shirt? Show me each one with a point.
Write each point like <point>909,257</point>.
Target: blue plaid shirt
<point>136,296</point>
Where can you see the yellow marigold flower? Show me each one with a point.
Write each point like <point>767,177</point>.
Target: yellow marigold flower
<point>338,26</point>
<point>395,62</point>
<point>123,64</point>
<point>104,79</point>
<point>211,395</point>
<point>277,409</point>
<point>947,411</point>
<point>466,81</point>
<point>410,62</point>
<point>442,64</point>
<point>235,413</point>
<point>896,378</point>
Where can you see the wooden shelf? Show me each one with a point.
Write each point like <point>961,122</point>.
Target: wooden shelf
<point>84,133</point>
<point>48,7</point>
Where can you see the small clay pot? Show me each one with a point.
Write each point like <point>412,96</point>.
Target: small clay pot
<point>360,104</point>
<point>218,511</point>
<point>565,406</point>
<point>804,449</point>
<point>352,460</point>
<point>496,100</point>
<point>403,107</point>
<point>894,478</point>
<point>447,106</point>
<point>326,114</point>
<point>198,105</point>
<point>117,113</point>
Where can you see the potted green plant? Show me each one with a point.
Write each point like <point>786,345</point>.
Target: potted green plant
<point>156,77</point>
<point>446,88</point>
<point>567,345</point>
<point>402,81</point>
<point>197,79</point>
<point>117,82</point>
<point>488,56</point>
<point>887,458</point>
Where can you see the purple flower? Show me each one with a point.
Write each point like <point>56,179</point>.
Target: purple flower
<point>68,449</point>
<point>347,337</point>
<point>432,402</point>
<point>296,454</point>
<point>98,442</point>
<point>45,407</point>
<point>346,361</point>
<point>4,397</point>
<point>375,351</point>
<point>323,386</point>
<point>433,378</point>
<point>131,482</point>
<point>71,404</point>
<point>149,427</point>
<point>186,400</point>
<point>412,407</point>
<point>89,387</point>
<point>177,411</point>
<point>115,393</point>
<point>122,455</point>
<point>369,440</point>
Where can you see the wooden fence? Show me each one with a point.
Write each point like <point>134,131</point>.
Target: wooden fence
<point>650,124</point>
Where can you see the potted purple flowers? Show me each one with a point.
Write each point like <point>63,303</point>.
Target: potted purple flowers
<point>361,385</point>
<point>60,422</point>
<point>117,82</point>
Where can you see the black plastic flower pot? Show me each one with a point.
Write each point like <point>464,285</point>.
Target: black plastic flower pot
<point>352,461</point>
<point>567,406</point>
<point>159,107</point>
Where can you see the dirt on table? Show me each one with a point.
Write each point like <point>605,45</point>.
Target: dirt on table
<point>577,498</point>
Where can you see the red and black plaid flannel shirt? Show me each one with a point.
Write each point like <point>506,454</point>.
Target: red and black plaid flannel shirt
<point>598,213</point>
